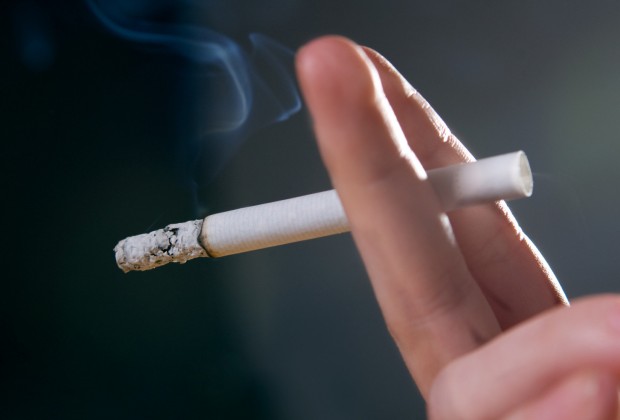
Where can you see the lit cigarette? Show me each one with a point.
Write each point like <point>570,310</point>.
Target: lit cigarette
<point>312,216</point>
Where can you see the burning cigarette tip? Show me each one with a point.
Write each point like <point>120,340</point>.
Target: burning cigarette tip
<point>174,243</point>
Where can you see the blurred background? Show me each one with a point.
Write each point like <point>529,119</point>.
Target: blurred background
<point>120,117</point>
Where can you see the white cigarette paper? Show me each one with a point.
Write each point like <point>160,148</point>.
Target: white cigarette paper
<point>502,177</point>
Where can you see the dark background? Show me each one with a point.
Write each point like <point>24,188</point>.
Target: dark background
<point>92,125</point>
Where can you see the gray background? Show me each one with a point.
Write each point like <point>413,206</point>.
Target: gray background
<point>91,127</point>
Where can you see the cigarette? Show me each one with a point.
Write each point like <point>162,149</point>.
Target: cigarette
<point>502,177</point>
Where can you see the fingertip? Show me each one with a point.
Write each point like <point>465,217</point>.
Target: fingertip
<point>323,50</point>
<point>380,61</point>
<point>334,67</point>
<point>345,99</point>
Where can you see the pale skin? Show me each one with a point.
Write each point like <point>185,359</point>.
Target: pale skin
<point>479,318</point>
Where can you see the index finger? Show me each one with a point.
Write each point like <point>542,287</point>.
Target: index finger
<point>431,304</point>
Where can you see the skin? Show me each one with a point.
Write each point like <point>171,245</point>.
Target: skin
<point>479,318</point>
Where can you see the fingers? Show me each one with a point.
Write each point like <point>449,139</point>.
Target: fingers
<point>525,362</point>
<point>432,306</point>
<point>512,273</point>
<point>589,395</point>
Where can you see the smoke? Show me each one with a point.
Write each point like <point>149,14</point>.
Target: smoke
<point>240,90</point>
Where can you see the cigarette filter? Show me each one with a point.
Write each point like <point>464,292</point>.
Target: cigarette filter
<point>502,177</point>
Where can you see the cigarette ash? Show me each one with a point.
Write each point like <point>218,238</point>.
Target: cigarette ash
<point>174,243</point>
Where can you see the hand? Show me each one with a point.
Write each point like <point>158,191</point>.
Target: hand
<point>482,324</point>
